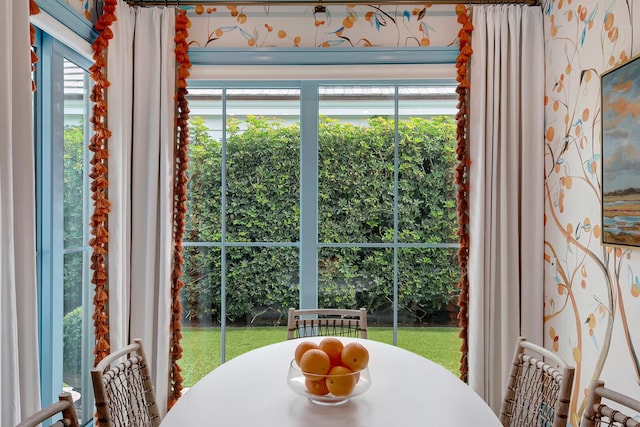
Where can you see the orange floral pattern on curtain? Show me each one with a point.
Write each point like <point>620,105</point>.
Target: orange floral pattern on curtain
<point>33,10</point>
<point>99,184</point>
<point>180,198</point>
<point>461,180</point>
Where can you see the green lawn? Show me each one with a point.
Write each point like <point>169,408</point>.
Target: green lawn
<point>202,348</point>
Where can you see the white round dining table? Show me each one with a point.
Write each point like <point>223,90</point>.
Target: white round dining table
<point>406,390</point>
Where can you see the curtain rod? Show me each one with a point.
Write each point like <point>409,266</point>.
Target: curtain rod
<point>151,3</point>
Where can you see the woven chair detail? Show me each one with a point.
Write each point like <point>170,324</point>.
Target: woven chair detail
<point>123,390</point>
<point>327,322</point>
<point>538,390</point>
<point>64,407</point>
<point>599,414</point>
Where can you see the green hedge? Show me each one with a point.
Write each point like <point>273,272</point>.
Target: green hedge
<point>355,205</point>
<point>72,344</point>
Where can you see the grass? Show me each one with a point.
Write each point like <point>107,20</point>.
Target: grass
<point>202,346</point>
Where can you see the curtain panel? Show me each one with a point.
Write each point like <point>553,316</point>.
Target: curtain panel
<point>506,201</point>
<point>20,386</point>
<point>141,69</point>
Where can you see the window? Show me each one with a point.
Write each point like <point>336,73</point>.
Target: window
<point>317,193</point>
<point>63,201</point>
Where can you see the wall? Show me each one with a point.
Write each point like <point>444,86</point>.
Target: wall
<point>592,304</point>
<point>337,26</point>
<point>417,25</point>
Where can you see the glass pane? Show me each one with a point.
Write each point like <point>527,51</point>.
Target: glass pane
<point>76,210</point>
<point>357,277</point>
<point>204,204</point>
<point>263,165</point>
<point>426,191</point>
<point>201,312</point>
<point>262,283</point>
<point>427,298</point>
<point>355,170</point>
<point>427,101</point>
<point>72,322</point>
<point>74,154</point>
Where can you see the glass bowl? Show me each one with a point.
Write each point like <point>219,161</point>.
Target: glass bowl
<point>297,382</point>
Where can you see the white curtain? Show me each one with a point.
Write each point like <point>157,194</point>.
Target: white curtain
<point>141,69</point>
<point>19,387</point>
<point>506,137</point>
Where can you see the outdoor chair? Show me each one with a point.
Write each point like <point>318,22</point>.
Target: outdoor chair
<point>327,322</point>
<point>598,414</point>
<point>123,390</point>
<point>538,390</point>
<point>63,406</point>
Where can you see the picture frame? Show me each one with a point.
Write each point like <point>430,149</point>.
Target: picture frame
<point>620,138</point>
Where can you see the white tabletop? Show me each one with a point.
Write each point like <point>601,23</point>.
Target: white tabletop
<point>406,390</point>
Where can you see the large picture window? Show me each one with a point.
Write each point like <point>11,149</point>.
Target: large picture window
<point>332,194</point>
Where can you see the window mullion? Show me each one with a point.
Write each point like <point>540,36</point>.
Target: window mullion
<point>396,168</point>
<point>309,114</point>
<point>223,232</point>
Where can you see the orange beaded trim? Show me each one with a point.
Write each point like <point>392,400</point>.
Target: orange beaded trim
<point>461,180</point>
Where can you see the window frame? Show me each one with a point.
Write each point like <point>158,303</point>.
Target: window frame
<point>228,61</point>
<point>50,249</point>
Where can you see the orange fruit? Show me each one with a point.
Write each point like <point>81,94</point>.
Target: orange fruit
<point>302,347</point>
<point>341,381</point>
<point>314,362</point>
<point>316,387</point>
<point>333,347</point>
<point>355,356</point>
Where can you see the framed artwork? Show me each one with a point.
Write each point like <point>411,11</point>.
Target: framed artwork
<point>621,154</point>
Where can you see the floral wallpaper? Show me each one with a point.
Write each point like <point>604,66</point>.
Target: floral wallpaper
<point>592,295</point>
<point>85,8</point>
<point>322,26</point>
<point>313,26</point>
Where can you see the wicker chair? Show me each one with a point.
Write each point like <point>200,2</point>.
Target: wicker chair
<point>327,322</point>
<point>123,390</point>
<point>598,414</point>
<point>539,389</point>
<point>64,406</point>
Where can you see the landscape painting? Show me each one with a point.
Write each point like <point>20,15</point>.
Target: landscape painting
<point>621,155</point>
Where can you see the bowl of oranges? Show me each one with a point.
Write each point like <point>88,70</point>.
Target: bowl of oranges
<point>329,372</point>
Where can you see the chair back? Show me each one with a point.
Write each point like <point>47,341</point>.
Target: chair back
<point>123,391</point>
<point>619,410</point>
<point>327,322</point>
<point>539,388</point>
<point>63,406</point>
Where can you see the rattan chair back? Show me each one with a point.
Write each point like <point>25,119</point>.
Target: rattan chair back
<point>64,407</point>
<point>619,410</point>
<point>123,390</point>
<point>539,388</point>
<point>327,322</point>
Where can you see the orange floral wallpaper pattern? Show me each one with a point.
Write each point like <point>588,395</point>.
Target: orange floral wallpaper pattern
<point>592,304</point>
<point>346,25</point>
<point>85,8</point>
<point>322,26</point>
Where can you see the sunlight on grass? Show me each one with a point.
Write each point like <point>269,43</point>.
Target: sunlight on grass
<point>202,347</point>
